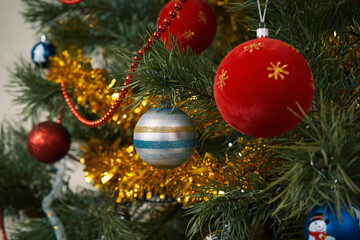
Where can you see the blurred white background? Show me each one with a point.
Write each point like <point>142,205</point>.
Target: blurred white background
<point>16,39</point>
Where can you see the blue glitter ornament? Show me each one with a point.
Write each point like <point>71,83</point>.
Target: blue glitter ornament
<point>322,224</point>
<point>165,138</point>
<point>41,52</point>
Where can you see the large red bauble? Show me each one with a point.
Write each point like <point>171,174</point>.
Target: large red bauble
<point>194,26</point>
<point>257,84</point>
<point>48,142</point>
<point>70,1</point>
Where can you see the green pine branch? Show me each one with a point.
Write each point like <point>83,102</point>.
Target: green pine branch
<point>323,166</point>
<point>246,213</point>
<point>42,98</point>
<point>92,24</point>
<point>33,91</point>
<point>319,157</point>
<point>24,181</point>
<point>182,79</point>
<point>90,215</point>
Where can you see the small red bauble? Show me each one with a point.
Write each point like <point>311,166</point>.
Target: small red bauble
<point>194,26</point>
<point>48,142</point>
<point>70,1</point>
<point>257,84</point>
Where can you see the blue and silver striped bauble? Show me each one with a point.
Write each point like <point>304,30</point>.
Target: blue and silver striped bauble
<point>165,138</point>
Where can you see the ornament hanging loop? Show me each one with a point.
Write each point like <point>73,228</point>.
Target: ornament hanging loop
<point>164,102</point>
<point>262,15</point>
<point>262,31</point>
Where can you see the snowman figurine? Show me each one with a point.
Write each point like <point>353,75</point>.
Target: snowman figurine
<point>317,228</point>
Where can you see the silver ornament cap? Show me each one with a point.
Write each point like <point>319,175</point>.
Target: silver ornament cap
<point>262,32</point>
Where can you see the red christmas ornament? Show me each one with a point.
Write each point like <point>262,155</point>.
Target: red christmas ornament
<point>195,26</point>
<point>48,142</point>
<point>70,1</point>
<point>257,84</point>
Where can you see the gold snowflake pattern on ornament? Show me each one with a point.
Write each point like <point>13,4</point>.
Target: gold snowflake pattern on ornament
<point>278,71</point>
<point>252,47</point>
<point>188,35</point>
<point>202,17</point>
<point>222,77</point>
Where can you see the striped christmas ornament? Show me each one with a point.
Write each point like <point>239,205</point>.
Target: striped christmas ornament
<point>165,137</point>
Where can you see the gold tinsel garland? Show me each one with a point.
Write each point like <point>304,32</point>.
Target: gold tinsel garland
<point>333,40</point>
<point>91,88</point>
<point>119,168</point>
<point>331,43</point>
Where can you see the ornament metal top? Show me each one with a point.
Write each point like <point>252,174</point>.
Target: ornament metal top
<point>165,138</point>
<point>262,32</point>
<point>42,51</point>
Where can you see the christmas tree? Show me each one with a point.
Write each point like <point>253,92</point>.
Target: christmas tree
<point>181,139</point>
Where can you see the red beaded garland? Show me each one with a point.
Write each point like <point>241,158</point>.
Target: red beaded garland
<point>150,41</point>
<point>172,14</point>
<point>156,35</point>
<point>167,21</point>
<point>122,94</point>
<point>161,28</point>
<point>147,47</point>
<point>177,6</point>
<point>134,64</point>
<point>127,83</point>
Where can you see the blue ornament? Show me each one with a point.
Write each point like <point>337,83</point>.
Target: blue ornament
<point>41,52</point>
<point>165,138</point>
<point>322,224</point>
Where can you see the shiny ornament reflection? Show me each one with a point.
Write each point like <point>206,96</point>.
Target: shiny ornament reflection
<point>42,51</point>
